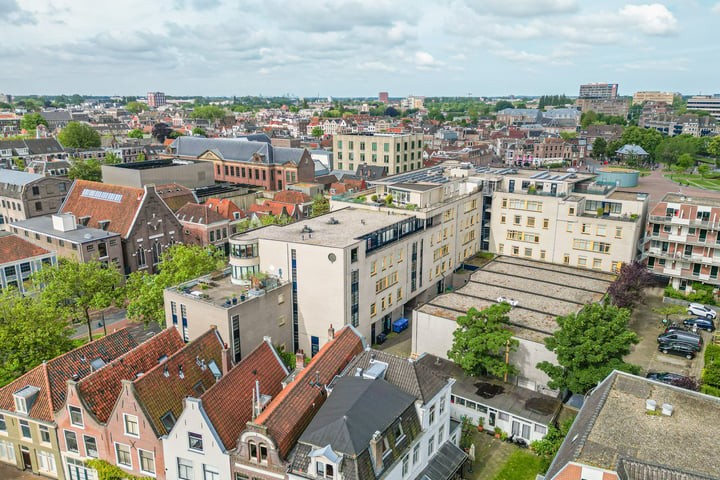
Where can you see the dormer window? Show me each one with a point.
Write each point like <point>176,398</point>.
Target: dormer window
<point>258,452</point>
<point>325,470</point>
<point>103,224</point>
<point>24,398</point>
<point>84,221</point>
<point>326,462</point>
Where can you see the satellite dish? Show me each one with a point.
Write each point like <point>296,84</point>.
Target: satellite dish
<point>332,258</point>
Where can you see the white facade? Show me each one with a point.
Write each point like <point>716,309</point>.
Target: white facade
<point>210,462</point>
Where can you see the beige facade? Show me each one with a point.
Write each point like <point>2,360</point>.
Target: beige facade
<point>243,315</point>
<point>398,152</point>
<point>566,220</point>
<point>640,97</point>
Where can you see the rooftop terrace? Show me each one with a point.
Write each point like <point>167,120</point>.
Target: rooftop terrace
<point>218,290</point>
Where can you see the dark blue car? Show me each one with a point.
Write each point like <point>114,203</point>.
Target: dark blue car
<point>701,323</point>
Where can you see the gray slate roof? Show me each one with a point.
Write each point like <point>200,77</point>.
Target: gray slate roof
<point>631,150</point>
<point>16,177</point>
<point>349,417</point>
<point>238,149</point>
<point>80,235</point>
<point>409,376</point>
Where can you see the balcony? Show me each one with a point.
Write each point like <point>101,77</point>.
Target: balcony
<point>691,222</point>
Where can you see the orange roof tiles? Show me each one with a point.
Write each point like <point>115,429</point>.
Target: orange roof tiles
<point>290,196</point>
<point>120,208</point>
<point>51,377</point>
<point>175,195</point>
<point>14,248</point>
<point>100,390</point>
<point>228,403</point>
<point>225,207</point>
<point>287,416</point>
<point>160,394</point>
<point>199,214</point>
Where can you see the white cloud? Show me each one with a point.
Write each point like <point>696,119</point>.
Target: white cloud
<point>424,60</point>
<point>652,19</point>
<point>715,8</point>
<point>523,8</point>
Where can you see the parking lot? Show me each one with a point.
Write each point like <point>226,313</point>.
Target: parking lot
<point>648,325</point>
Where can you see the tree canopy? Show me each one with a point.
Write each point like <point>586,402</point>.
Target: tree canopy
<point>30,121</point>
<point>599,147</point>
<point>88,169</point>
<point>670,149</point>
<point>713,147</point>
<point>29,333</point>
<point>76,288</point>
<point>135,107</point>
<point>79,135</point>
<point>317,131</point>
<point>626,290</point>
<point>503,104</point>
<point>589,345</point>
<point>136,133</point>
<point>179,263</point>
<point>208,112</point>
<point>161,131</point>
<point>647,138</point>
<point>481,341</point>
<point>199,131</point>
<point>320,205</point>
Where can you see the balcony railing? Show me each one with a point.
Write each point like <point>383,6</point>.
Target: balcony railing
<point>692,222</point>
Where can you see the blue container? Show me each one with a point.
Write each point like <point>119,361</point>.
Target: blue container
<point>400,324</point>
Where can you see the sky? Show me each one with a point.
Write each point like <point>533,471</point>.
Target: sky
<point>357,48</point>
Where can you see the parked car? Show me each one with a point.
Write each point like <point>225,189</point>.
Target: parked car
<point>674,379</point>
<point>675,327</point>
<point>701,323</point>
<point>701,310</point>
<point>678,348</point>
<point>681,336</point>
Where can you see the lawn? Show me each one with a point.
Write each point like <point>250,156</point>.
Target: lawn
<point>708,183</point>
<point>522,465</point>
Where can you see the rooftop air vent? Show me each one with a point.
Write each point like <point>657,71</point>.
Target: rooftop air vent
<point>333,221</point>
<point>650,405</point>
<point>306,229</point>
<point>667,409</point>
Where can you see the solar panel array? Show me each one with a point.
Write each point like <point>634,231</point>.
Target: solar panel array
<point>111,197</point>
<point>551,176</point>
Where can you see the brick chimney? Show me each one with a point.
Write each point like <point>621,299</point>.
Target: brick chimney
<point>299,360</point>
<point>331,333</point>
<point>376,450</point>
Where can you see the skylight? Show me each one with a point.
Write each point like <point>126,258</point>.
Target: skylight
<point>111,197</point>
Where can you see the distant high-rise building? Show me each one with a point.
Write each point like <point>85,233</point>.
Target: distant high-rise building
<point>5,98</point>
<point>598,90</point>
<point>383,97</point>
<point>640,97</point>
<point>156,99</point>
<point>705,103</point>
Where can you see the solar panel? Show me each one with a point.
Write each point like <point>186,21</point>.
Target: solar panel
<point>111,197</point>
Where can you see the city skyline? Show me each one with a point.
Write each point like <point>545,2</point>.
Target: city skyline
<point>356,49</point>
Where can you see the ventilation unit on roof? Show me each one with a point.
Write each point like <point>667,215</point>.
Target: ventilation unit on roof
<point>333,221</point>
<point>376,370</point>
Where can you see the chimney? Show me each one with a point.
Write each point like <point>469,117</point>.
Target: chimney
<point>376,450</point>
<point>226,358</point>
<point>331,333</point>
<point>299,360</point>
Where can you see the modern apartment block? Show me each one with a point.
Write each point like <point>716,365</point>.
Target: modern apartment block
<point>369,259</point>
<point>684,234</point>
<point>641,97</point>
<point>566,219</point>
<point>156,99</point>
<point>19,259</point>
<point>705,103</point>
<point>398,152</point>
<point>598,90</point>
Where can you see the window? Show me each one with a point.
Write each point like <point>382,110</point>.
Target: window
<point>168,420</point>
<point>405,465</point>
<point>515,250</point>
<point>582,261</point>
<point>373,310</point>
<point>91,446</point>
<point>38,206</point>
<point>46,462</point>
<point>147,462</point>
<point>398,432</point>
<point>517,220</point>
<point>25,429</point>
<point>71,443</point>
<point>528,252</point>
<point>586,228</point>
<point>546,223</point>
<point>416,454</point>
<point>441,434</point>
<point>431,446</point>
<point>618,232</point>
<point>76,417</point>
<point>541,429</point>
<point>3,426</point>
<point>503,219</point>
<point>431,416</point>
<point>569,227</point>
<point>571,211</point>
<point>597,263</point>
<point>131,425</point>
<point>354,255</point>
<point>566,259</point>
<point>501,248</point>
<point>530,221</point>
<point>185,469</point>
<point>195,442</point>
<point>7,451</point>
<point>122,454</point>
<point>601,230</point>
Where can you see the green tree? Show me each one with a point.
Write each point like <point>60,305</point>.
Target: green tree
<point>568,135</point>
<point>670,149</point>
<point>589,345</point>
<point>79,135</point>
<point>599,146</point>
<point>502,105</point>
<point>208,112</point>
<point>178,264</point>
<point>320,205</point>
<point>704,169</point>
<point>136,133</point>
<point>647,138</point>
<point>30,121</point>
<point>29,333</point>
<point>111,159</point>
<point>668,310</point>
<point>135,107</point>
<point>85,170</point>
<point>548,447</point>
<point>317,132</point>
<point>482,340</point>
<point>199,131</point>
<point>175,134</point>
<point>713,147</point>
<point>686,161</point>
<point>612,147</point>
<point>140,157</point>
<point>76,288</point>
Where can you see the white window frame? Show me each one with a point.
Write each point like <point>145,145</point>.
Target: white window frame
<point>65,433</point>
<point>7,451</point>
<point>202,445</point>
<point>46,429</point>
<point>117,457</point>
<point>188,464</point>
<point>125,425</point>
<point>140,463</point>
<point>82,418</point>
<point>97,450</point>
<point>46,462</point>
<point>20,427</point>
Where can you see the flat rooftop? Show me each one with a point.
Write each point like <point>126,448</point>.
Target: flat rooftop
<point>82,234</point>
<point>543,291</point>
<point>507,397</point>
<point>151,164</point>
<point>616,429</point>
<point>623,195</point>
<point>691,199</point>
<point>352,223</point>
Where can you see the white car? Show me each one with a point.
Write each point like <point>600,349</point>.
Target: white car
<point>701,310</point>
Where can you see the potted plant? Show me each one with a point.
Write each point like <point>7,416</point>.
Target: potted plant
<point>498,432</point>
<point>481,422</point>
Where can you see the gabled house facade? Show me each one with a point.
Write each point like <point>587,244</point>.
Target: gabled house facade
<point>145,223</point>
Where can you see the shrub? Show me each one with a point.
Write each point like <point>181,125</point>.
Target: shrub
<point>709,390</point>
<point>600,211</point>
<point>374,198</point>
<point>702,294</point>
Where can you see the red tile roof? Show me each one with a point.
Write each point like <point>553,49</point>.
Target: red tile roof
<point>175,195</point>
<point>100,390</point>
<point>199,214</point>
<point>14,248</point>
<point>225,207</point>
<point>159,394</point>
<point>287,416</point>
<point>228,403</point>
<point>51,377</point>
<point>120,208</point>
<point>272,208</point>
<point>290,196</point>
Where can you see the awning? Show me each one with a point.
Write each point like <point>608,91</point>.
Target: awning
<point>446,462</point>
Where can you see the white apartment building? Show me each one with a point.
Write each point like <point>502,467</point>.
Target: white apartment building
<point>564,219</point>
<point>398,152</point>
<point>363,262</point>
